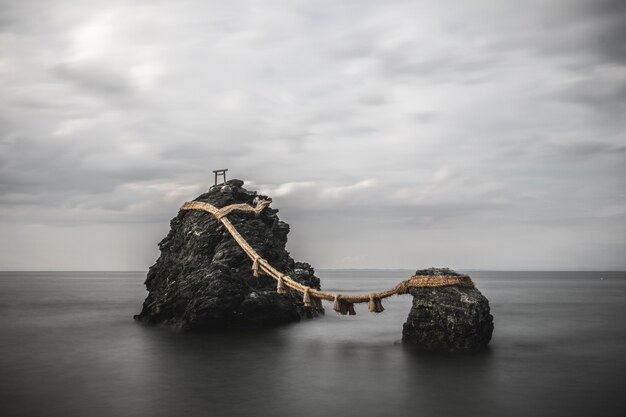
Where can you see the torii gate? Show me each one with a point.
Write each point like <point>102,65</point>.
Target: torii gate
<point>220,173</point>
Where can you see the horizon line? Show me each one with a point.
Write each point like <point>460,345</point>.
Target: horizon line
<point>341,269</point>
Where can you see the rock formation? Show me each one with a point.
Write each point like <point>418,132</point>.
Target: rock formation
<point>447,318</point>
<point>203,280</point>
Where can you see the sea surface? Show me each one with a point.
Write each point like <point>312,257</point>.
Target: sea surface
<point>69,347</point>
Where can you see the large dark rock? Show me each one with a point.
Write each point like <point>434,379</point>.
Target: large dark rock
<point>203,280</point>
<point>447,318</point>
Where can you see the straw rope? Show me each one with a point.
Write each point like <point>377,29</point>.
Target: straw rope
<point>343,304</point>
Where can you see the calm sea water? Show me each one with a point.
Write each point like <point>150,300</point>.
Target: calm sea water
<point>69,347</point>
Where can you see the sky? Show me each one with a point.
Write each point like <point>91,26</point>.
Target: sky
<point>476,134</point>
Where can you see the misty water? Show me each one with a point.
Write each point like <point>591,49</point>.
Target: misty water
<point>69,347</point>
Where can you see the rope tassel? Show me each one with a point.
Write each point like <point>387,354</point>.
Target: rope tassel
<point>350,307</point>
<point>338,306</point>
<point>306,298</point>
<point>375,305</point>
<point>280,287</point>
<point>255,267</point>
<point>317,302</point>
<point>343,307</point>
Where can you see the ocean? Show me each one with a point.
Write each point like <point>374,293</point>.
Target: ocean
<point>69,347</point>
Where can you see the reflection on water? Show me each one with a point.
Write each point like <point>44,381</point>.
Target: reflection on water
<point>69,347</point>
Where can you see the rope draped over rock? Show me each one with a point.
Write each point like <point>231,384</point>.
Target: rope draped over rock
<point>311,297</point>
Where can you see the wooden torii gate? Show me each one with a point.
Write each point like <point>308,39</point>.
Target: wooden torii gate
<point>220,173</point>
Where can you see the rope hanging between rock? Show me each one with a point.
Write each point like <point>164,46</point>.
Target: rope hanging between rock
<point>312,297</point>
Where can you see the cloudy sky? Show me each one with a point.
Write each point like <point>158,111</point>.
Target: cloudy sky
<point>391,134</point>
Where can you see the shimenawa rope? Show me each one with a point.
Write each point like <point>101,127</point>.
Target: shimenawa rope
<point>311,297</point>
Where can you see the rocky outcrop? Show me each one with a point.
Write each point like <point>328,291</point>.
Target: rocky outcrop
<point>203,280</point>
<point>447,318</point>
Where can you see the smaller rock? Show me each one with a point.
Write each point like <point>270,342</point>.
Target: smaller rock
<point>447,318</point>
<point>235,183</point>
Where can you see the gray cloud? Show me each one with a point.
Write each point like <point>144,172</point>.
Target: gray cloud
<point>603,94</point>
<point>456,66</point>
<point>580,32</point>
<point>425,116</point>
<point>386,132</point>
<point>607,34</point>
<point>95,77</point>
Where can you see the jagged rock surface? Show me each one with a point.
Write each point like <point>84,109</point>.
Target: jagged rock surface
<point>203,280</point>
<point>447,318</point>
